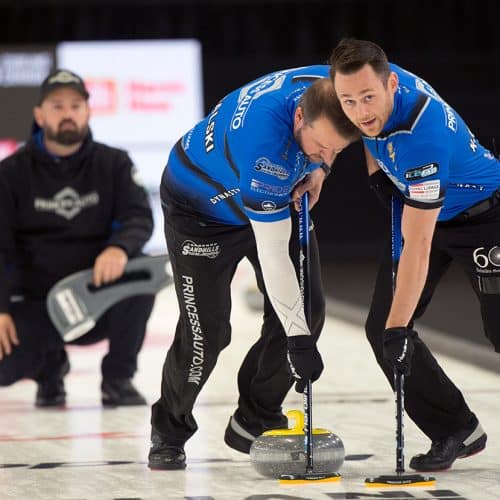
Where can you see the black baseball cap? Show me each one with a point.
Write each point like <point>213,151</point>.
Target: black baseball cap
<point>62,78</point>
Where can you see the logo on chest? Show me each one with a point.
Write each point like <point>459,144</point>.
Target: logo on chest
<point>67,203</point>
<point>391,152</point>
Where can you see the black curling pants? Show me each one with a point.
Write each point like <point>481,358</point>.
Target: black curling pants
<point>204,259</point>
<point>432,400</point>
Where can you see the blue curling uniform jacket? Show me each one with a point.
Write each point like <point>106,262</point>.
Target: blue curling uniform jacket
<point>429,153</point>
<point>241,161</point>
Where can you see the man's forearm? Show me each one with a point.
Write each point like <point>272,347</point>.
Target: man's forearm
<point>279,274</point>
<point>411,276</point>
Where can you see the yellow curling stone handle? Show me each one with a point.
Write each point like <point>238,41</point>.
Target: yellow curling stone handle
<point>298,417</point>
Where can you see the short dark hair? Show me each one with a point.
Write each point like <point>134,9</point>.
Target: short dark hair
<point>320,100</point>
<point>351,54</point>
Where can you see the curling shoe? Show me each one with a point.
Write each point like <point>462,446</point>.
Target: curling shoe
<point>443,453</point>
<point>163,456</point>
<point>120,392</point>
<point>237,437</point>
<point>50,391</point>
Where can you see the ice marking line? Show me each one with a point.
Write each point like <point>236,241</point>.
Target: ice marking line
<point>91,435</point>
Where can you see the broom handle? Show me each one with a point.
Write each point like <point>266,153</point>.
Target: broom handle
<point>305,286</point>
<point>399,379</point>
<point>308,430</point>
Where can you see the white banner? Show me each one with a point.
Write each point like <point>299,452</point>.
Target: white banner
<point>144,95</point>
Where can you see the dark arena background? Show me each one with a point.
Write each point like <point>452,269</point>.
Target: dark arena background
<point>453,44</point>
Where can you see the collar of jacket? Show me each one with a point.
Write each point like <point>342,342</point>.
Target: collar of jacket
<point>60,164</point>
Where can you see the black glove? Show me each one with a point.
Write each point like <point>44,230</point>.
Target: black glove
<point>398,348</point>
<point>304,359</point>
<point>382,186</point>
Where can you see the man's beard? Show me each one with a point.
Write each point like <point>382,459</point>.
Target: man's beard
<point>66,137</point>
<point>298,139</point>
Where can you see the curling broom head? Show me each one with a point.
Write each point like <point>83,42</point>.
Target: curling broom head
<point>308,477</point>
<point>400,480</point>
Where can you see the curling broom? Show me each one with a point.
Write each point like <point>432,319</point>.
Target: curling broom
<point>399,479</point>
<point>304,272</point>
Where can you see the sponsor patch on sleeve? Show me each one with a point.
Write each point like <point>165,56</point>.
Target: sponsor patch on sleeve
<point>428,190</point>
<point>421,172</point>
<point>266,166</point>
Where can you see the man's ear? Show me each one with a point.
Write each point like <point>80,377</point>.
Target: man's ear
<point>393,81</point>
<point>298,118</point>
<point>37,115</point>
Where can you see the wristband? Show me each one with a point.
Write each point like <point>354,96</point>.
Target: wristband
<point>325,169</point>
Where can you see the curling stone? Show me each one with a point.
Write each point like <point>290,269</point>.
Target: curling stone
<point>281,451</point>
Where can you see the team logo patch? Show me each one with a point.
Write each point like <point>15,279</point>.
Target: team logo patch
<point>392,153</point>
<point>268,205</point>
<point>428,190</point>
<point>209,250</point>
<point>422,172</point>
<point>265,166</point>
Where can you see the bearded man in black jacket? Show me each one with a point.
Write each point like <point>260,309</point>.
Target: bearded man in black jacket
<point>68,203</point>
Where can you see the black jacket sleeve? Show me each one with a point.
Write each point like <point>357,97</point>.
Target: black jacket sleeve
<point>133,218</point>
<point>6,242</point>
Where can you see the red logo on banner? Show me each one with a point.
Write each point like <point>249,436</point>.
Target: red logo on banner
<point>7,147</point>
<point>103,95</point>
<point>151,97</point>
<point>142,96</point>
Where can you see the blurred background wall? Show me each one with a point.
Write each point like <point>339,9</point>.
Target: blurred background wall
<point>454,44</point>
